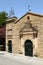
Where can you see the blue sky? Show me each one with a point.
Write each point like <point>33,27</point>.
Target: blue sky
<point>21,6</point>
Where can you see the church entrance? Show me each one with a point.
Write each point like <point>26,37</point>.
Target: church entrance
<point>28,48</point>
<point>10,46</point>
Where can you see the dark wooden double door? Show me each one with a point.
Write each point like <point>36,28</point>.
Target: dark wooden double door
<point>10,46</point>
<point>28,48</point>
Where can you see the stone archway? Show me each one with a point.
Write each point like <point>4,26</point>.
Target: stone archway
<point>10,46</point>
<point>28,48</point>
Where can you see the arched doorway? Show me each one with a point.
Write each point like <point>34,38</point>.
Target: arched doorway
<point>10,46</point>
<point>28,48</point>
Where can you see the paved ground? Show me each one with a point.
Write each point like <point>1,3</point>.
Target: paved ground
<point>16,59</point>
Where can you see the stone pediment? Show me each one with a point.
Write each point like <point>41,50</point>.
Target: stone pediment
<point>27,28</point>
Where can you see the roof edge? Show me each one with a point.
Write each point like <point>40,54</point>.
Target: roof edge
<point>11,18</point>
<point>36,14</point>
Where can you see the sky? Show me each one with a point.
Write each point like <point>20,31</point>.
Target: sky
<point>20,7</point>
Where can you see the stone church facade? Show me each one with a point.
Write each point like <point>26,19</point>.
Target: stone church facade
<point>25,35</point>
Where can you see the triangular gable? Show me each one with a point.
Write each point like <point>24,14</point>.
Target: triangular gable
<point>31,13</point>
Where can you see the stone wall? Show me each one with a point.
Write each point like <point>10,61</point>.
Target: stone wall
<point>37,22</point>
